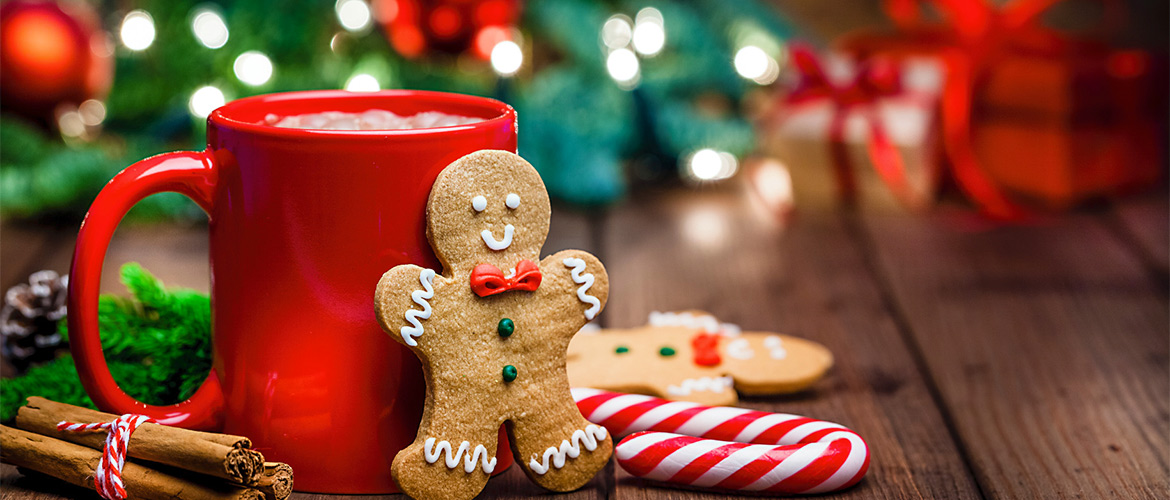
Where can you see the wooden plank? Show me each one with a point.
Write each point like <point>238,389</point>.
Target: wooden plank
<point>1048,345</point>
<point>712,251</point>
<point>512,484</point>
<point>1145,221</point>
<point>22,249</point>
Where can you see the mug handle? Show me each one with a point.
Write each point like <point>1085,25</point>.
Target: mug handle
<point>190,173</point>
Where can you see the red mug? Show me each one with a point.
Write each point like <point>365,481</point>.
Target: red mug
<point>302,225</point>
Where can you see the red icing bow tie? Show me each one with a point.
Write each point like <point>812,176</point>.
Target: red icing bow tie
<point>487,279</point>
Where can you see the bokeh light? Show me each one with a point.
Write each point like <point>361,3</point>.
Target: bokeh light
<point>362,82</point>
<point>209,28</point>
<point>751,62</point>
<point>649,32</point>
<point>710,165</point>
<point>253,68</point>
<point>773,183</point>
<point>754,63</point>
<point>205,100</point>
<point>507,58</point>
<point>70,124</point>
<point>623,66</point>
<point>487,39</point>
<point>137,31</point>
<point>617,32</point>
<point>354,15</point>
<point>705,226</point>
<point>92,112</point>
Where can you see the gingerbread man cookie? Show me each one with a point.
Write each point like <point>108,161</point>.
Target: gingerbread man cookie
<point>691,356</point>
<point>492,331</point>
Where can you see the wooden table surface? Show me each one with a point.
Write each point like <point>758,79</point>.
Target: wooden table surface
<point>978,361</point>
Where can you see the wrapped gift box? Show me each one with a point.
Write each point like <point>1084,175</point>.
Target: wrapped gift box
<point>799,135</point>
<point>1055,163</point>
<point>1057,119</point>
<point>1062,130</point>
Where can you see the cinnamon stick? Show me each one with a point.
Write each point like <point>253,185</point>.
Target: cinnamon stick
<point>277,481</point>
<point>218,455</point>
<point>77,464</point>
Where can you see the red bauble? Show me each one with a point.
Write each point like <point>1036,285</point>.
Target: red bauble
<point>415,27</point>
<point>51,54</point>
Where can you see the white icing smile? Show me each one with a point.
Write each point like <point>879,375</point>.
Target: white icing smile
<point>708,384</point>
<point>490,240</point>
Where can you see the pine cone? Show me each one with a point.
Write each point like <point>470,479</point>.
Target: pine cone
<point>28,320</point>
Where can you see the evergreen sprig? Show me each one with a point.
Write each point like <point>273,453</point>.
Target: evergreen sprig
<point>157,344</point>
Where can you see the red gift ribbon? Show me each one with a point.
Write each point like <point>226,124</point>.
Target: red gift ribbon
<point>874,79</point>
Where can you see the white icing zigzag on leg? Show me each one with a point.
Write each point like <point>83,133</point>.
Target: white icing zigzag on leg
<point>586,282</point>
<point>589,437</point>
<point>480,454</point>
<point>409,333</point>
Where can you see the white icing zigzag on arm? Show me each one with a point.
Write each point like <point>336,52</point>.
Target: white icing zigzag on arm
<point>589,437</point>
<point>586,281</point>
<point>480,454</point>
<point>409,333</point>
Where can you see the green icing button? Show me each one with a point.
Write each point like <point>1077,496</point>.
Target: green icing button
<point>510,373</point>
<point>666,351</point>
<point>506,327</point>
<point>622,349</point>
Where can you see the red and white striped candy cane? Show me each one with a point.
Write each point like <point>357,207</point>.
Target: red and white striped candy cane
<point>726,448</point>
<point>107,479</point>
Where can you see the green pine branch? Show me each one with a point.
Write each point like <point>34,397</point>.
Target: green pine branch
<point>157,344</point>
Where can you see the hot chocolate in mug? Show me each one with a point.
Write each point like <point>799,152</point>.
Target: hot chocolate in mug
<point>302,225</point>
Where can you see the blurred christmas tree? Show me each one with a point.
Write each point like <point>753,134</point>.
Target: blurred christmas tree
<point>607,92</point>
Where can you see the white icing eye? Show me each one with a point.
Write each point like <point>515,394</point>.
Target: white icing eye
<point>479,203</point>
<point>513,200</point>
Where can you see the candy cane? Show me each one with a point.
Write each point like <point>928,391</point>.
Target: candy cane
<point>107,478</point>
<point>726,448</point>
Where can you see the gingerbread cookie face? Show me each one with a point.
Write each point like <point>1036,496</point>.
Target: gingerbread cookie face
<point>492,330</point>
<point>692,357</point>
<point>478,214</point>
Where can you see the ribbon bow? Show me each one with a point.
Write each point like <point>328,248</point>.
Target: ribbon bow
<point>487,279</point>
<point>875,78</point>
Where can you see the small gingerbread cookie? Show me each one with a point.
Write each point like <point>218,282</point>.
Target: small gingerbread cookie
<point>691,356</point>
<point>492,331</point>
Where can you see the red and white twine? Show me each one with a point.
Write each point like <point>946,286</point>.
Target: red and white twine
<point>107,479</point>
<point>726,448</point>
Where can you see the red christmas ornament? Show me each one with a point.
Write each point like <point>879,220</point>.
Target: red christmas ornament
<point>50,54</point>
<point>416,27</point>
